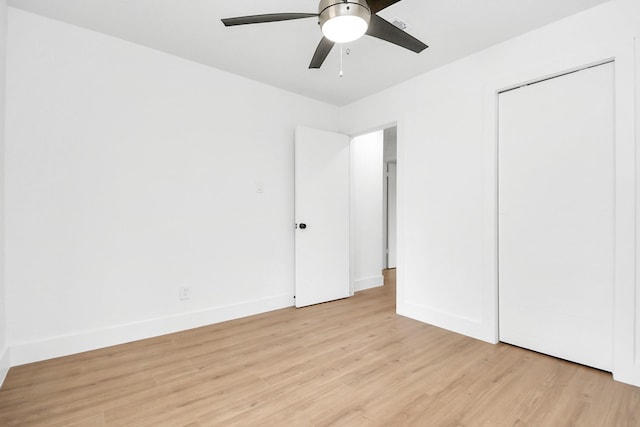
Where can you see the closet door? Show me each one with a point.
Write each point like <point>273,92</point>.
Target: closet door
<point>556,216</point>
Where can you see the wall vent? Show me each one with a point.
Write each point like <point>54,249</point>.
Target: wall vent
<point>400,23</point>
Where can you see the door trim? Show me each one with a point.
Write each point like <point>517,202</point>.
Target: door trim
<point>625,365</point>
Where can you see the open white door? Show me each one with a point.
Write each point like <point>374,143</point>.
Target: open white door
<point>322,216</point>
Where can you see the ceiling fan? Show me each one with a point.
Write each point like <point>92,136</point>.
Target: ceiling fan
<point>342,21</point>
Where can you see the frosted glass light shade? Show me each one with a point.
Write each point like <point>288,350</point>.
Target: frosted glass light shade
<point>344,21</point>
<point>344,29</point>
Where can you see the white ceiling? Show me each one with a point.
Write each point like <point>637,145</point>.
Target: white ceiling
<point>279,53</point>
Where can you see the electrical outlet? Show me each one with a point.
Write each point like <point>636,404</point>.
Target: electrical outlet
<point>185,293</point>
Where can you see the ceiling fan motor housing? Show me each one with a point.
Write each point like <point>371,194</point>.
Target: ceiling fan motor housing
<point>330,9</point>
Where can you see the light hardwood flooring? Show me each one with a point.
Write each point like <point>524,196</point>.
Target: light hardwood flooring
<point>352,362</point>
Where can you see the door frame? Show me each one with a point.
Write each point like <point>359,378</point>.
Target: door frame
<point>626,363</point>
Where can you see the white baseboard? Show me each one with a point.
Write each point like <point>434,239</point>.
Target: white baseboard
<point>470,327</point>
<point>368,283</point>
<point>4,364</point>
<point>629,374</point>
<point>34,351</point>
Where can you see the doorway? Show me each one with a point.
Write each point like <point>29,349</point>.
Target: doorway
<point>373,209</point>
<point>330,169</point>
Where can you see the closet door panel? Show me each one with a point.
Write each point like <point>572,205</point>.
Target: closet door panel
<point>556,216</point>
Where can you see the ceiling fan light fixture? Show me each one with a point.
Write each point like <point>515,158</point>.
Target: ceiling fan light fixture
<point>344,29</point>
<point>344,21</point>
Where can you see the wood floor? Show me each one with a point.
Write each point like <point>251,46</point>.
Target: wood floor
<point>347,363</point>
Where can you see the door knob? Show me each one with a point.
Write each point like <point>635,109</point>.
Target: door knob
<point>303,226</point>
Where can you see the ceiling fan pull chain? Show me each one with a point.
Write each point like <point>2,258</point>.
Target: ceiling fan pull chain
<point>341,73</point>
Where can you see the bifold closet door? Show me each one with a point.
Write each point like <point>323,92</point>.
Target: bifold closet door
<point>556,216</point>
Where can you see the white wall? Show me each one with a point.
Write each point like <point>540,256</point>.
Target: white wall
<point>447,161</point>
<point>130,173</point>
<point>367,207</point>
<point>4,350</point>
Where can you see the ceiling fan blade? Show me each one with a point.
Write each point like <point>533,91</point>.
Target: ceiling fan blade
<point>377,5</point>
<point>270,17</point>
<point>322,52</point>
<point>385,30</point>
